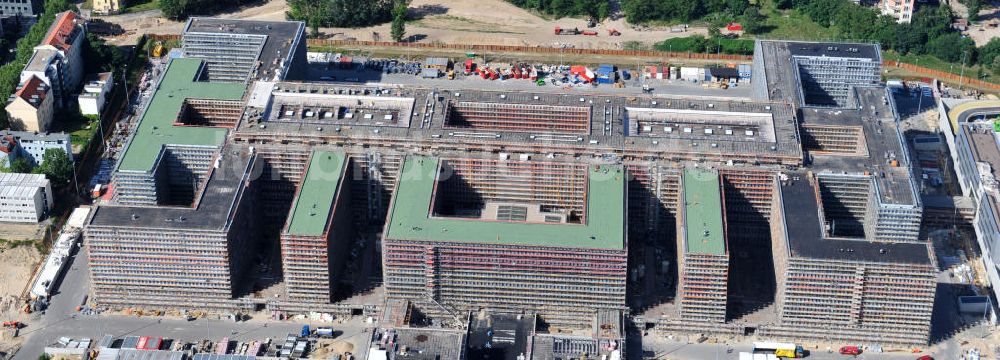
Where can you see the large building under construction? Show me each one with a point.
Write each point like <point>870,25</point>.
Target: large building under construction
<point>548,203</point>
<point>469,234</point>
<point>848,260</point>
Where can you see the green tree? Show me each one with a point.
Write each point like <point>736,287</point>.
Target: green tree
<point>996,65</point>
<point>56,166</point>
<point>18,165</point>
<point>173,9</point>
<point>752,21</point>
<point>100,57</point>
<point>399,21</point>
<point>603,10</point>
<point>950,47</point>
<point>989,52</point>
<point>973,7</point>
<point>698,43</point>
<point>179,9</point>
<point>341,13</point>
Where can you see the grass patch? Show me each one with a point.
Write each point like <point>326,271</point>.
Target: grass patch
<point>932,62</point>
<point>634,45</point>
<point>700,44</point>
<point>81,129</point>
<point>328,49</point>
<point>793,25</point>
<point>10,244</point>
<point>141,5</point>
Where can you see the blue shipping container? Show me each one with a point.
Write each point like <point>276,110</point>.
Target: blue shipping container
<point>744,71</point>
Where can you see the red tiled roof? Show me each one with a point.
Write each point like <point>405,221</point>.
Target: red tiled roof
<point>61,31</point>
<point>34,86</point>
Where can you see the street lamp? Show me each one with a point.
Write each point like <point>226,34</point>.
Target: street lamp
<point>961,76</point>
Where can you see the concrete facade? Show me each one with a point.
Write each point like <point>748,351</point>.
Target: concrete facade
<point>32,146</point>
<point>24,198</point>
<point>97,88</point>
<point>25,8</point>
<point>902,10</point>
<point>31,106</point>
<point>58,60</point>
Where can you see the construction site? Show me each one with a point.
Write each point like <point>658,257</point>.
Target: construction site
<point>771,216</point>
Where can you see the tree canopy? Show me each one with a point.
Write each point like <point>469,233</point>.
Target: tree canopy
<point>340,13</point>
<point>18,165</point>
<point>10,73</point>
<point>398,21</point>
<point>179,9</point>
<point>597,9</point>
<point>56,166</point>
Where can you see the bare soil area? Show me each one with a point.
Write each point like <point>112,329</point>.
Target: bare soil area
<point>18,267</point>
<point>493,22</point>
<point>980,31</point>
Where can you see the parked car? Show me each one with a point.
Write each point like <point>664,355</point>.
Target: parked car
<point>850,350</point>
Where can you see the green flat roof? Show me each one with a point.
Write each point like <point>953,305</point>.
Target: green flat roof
<point>314,203</point>
<point>410,214</point>
<point>157,125</point>
<point>703,212</point>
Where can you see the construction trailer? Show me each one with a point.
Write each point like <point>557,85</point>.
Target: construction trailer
<point>437,63</point>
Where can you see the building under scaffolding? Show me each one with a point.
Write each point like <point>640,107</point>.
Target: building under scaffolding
<point>703,254</point>
<point>825,72</point>
<point>849,263</point>
<point>544,237</point>
<point>319,229</point>
<point>524,202</point>
<point>978,154</point>
<point>841,287</point>
<point>239,51</point>
<point>180,257</point>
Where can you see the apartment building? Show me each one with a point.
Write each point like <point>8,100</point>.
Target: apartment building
<point>31,106</point>
<point>58,59</point>
<point>901,10</point>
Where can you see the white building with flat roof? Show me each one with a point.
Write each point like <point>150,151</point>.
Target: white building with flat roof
<point>24,198</point>
<point>94,93</point>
